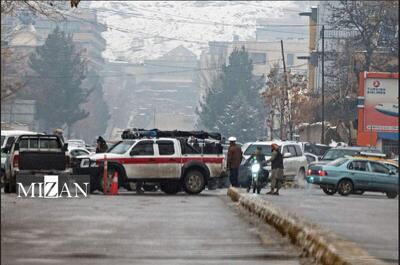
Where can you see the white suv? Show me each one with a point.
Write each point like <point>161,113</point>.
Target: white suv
<point>294,161</point>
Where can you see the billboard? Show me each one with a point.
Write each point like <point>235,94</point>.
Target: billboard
<point>381,107</point>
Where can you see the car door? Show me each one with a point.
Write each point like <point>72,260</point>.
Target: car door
<point>168,159</point>
<point>359,173</point>
<point>381,179</point>
<point>289,163</point>
<point>142,162</point>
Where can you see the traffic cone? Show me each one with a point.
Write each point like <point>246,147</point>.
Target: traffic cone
<point>114,184</point>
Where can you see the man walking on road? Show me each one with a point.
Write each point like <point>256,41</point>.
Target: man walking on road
<point>234,159</point>
<point>277,169</point>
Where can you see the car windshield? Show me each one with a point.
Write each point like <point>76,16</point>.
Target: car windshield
<point>265,149</point>
<point>333,154</point>
<point>338,162</point>
<point>121,147</point>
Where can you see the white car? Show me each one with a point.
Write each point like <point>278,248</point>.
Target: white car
<point>294,160</point>
<point>78,151</point>
<point>76,143</point>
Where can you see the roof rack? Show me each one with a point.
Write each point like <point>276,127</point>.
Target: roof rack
<point>135,133</point>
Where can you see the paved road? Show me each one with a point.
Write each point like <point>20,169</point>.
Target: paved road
<point>370,220</point>
<point>137,229</point>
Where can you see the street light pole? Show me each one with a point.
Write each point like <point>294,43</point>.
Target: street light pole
<point>323,86</point>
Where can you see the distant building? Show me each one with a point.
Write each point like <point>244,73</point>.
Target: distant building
<point>161,93</point>
<point>26,31</point>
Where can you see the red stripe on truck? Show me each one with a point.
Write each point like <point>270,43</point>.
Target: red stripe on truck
<point>165,160</point>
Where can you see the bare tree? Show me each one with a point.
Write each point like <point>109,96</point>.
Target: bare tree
<point>47,8</point>
<point>376,23</point>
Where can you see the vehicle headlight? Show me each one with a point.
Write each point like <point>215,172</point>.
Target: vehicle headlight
<point>255,168</point>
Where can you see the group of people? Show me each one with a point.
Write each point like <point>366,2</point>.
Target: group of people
<point>235,157</point>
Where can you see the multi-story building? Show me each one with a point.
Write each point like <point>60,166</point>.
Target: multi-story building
<point>24,32</point>
<point>161,93</point>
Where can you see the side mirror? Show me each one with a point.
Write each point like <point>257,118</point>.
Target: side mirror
<point>286,155</point>
<point>5,150</point>
<point>391,172</point>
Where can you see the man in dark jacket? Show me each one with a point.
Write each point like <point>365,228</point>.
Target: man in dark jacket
<point>276,169</point>
<point>234,158</point>
<point>101,145</point>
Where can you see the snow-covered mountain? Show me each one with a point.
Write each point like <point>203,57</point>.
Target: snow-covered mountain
<point>140,30</point>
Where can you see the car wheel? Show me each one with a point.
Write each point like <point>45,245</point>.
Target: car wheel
<point>130,186</point>
<point>345,187</point>
<point>170,187</point>
<point>391,194</point>
<point>302,174</point>
<point>358,192</point>
<point>194,182</point>
<point>329,191</point>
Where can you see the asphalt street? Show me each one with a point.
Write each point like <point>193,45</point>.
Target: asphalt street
<point>371,220</point>
<point>153,228</point>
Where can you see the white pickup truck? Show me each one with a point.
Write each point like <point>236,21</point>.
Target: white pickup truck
<point>172,163</point>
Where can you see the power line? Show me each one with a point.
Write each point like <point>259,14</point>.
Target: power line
<point>150,74</point>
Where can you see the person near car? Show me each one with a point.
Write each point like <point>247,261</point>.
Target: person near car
<point>234,158</point>
<point>101,146</point>
<point>59,133</point>
<point>276,169</point>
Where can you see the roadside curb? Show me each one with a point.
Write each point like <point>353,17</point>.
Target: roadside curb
<point>325,246</point>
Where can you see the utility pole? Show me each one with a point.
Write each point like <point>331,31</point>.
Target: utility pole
<point>285,90</point>
<point>323,86</point>
<point>154,118</point>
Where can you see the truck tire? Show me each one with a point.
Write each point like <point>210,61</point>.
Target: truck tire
<point>194,182</point>
<point>170,187</point>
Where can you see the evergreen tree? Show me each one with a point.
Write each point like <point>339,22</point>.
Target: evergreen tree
<point>57,87</point>
<point>233,106</point>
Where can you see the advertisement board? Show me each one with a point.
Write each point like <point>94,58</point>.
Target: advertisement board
<point>381,112</point>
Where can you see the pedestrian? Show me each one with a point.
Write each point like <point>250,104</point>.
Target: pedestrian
<point>276,169</point>
<point>59,133</point>
<point>101,146</point>
<point>234,158</point>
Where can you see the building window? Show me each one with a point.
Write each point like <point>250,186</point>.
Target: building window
<point>258,58</point>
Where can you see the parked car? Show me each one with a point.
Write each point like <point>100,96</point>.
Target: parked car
<point>317,149</point>
<point>339,152</point>
<point>354,175</point>
<point>76,143</point>
<point>32,154</point>
<point>294,161</point>
<point>169,162</point>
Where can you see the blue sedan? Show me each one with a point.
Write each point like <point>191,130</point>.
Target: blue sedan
<point>354,175</point>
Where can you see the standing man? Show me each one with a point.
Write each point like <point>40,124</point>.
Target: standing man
<point>101,145</point>
<point>277,169</point>
<point>234,159</point>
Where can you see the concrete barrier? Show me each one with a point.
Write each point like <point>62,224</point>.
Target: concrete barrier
<point>325,246</point>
